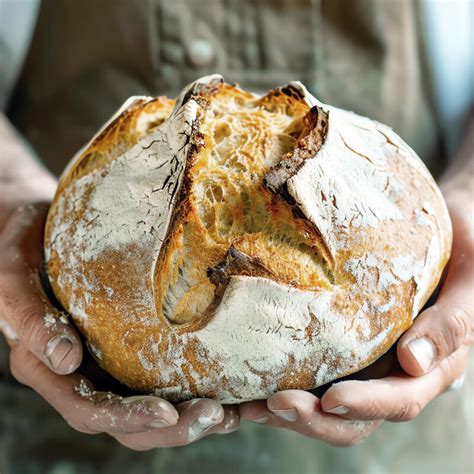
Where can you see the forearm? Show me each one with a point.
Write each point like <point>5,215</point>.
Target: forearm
<point>22,178</point>
<point>457,185</point>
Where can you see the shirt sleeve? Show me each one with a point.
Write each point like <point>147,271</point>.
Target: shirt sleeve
<point>17,20</point>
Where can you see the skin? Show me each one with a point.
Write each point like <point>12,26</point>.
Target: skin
<point>397,397</point>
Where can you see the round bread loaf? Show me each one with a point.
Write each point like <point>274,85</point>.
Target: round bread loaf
<point>229,245</point>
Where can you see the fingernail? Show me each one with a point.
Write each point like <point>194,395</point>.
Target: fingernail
<point>190,403</point>
<point>288,415</point>
<point>200,426</point>
<point>57,350</point>
<point>339,410</point>
<point>164,412</point>
<point>264,419</point>
<point>160,423</point>
<point>423,351</point>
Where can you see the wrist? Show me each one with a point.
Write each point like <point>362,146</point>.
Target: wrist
<point>23,178</point>
<point>18,193</point>
<point>460,207</point>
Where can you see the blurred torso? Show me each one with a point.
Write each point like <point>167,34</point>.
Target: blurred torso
<point>87,57</point>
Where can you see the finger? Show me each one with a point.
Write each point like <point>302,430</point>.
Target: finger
<point>443,328</point>
<point>256,411</point>
<point>197,418</point>
<point>396,398</point>
<point>230,422</point>
<point>85,409</point>
<point>24,307</point>
<point>300,411</point>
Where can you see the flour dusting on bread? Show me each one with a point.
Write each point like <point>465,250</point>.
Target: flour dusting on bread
<point>242,244</point>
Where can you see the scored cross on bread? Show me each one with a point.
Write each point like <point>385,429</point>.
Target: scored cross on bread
<point>239,244</point>
<point>225,203</point>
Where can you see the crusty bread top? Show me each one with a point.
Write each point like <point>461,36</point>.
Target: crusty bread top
<point>137,117</point>
<point>246,244</point>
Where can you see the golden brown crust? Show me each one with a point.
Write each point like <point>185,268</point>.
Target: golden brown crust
<point>119,135</point>
<point>244,245</point>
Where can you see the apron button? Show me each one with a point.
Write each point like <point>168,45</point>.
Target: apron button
<point>201,53</point>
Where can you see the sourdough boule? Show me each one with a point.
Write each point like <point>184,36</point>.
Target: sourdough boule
<point>229,245</point>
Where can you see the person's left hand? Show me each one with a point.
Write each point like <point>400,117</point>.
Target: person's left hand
<point>433,354</point>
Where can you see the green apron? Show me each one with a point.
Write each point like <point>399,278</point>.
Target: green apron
<point>88,56</point>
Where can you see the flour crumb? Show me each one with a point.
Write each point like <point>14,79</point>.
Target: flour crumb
<point>84,390</point>
<point>50,321</point>
<point>357,425</point>
<point>63,318</point>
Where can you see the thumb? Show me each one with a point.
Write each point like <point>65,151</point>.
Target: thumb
<point>24,307</point>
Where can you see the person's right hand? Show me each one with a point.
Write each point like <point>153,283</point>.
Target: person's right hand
<point>46,350</point>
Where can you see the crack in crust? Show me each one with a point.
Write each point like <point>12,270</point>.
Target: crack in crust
<point>313,137</point>
<point>237,263</point>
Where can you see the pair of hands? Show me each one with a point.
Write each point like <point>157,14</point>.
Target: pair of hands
<point>46,351</point>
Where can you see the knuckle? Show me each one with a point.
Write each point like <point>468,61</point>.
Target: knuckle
<point>347,443</point>
<point>317,431</point>
<point>16,370</point>
<point>448,368</point>
<point>374,410</point>
<point>25,368</point>
<point>330,436</point>
<point>408,412</point>
<point>29,322</point>
<point>33,369</point>
<point>458,327</point>
<point>358,431</point>
<point>453,368</point>
<point>134,445</point>
<point>79,425</point>
<point>373,416</point>
<point>316,434</point>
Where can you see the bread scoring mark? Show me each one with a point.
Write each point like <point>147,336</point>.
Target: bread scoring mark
<point>127,202</point>
<point>338,191</point>
<point>237,263</point>
<point>313,137</point>
<point>224,203</point>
